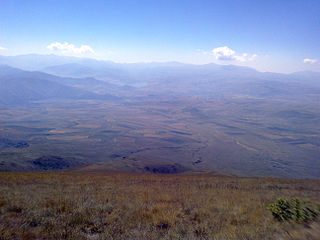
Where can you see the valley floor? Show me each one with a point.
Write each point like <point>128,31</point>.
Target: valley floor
<point>70,205</point>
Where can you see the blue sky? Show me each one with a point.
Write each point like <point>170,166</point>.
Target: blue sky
<point>281,36</point>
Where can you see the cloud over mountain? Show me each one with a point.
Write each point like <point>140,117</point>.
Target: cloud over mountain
<point>227,54</point>
<point>70,48</point>
<point>310,60</point>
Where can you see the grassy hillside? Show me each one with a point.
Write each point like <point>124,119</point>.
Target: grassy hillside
<point>146,206</point>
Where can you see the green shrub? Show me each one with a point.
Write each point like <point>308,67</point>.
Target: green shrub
<point>280,210</point>
<point>295,209</point>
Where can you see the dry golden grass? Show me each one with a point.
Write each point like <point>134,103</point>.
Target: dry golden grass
<point>137,206</point>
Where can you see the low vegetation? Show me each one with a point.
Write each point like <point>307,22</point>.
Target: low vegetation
<point>295,209</point>
<point>148,206</point>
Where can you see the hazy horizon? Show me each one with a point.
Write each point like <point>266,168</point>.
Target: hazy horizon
<point>160,62</point>
<point>268,36</point>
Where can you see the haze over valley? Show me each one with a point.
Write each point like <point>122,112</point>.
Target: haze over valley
<point>65,112</point>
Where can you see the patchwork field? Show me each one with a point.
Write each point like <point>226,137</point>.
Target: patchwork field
<point>241,136</point>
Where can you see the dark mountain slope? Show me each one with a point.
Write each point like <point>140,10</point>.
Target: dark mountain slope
<point>19,87</point>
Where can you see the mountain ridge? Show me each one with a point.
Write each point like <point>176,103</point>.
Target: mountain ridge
<point>46,58</point>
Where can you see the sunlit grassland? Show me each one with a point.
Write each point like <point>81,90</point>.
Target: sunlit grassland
<point>142,206</point>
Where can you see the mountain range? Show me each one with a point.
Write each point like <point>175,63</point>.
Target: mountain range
<point>209,80</point>
<point>129,117</point>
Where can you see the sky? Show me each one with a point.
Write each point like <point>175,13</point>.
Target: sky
<point>273,35</point>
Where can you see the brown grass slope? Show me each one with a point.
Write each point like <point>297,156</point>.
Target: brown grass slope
<point>147,206</point>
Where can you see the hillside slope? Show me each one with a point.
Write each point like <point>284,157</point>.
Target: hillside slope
<point>18,87</point>
<point>100,205</point>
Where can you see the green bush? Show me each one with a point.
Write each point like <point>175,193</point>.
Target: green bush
<point>280,210</point>
<point>295,209</point>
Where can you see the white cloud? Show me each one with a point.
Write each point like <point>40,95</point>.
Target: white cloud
<point>2,48</point>
<point>223,53</point>
<point>227,54</point>
<point>70,48</point>
<point>310,60</point>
